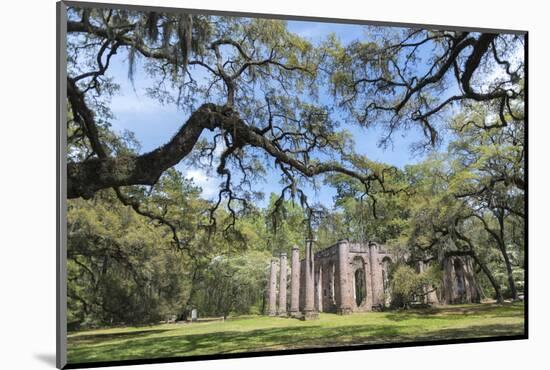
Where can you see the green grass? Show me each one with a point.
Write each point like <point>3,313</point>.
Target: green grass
<point>259,333</point>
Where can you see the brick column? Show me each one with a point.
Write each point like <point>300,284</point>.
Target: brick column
<point>282,285</point>
<point>344,281</point>
<point>295,282</point>
<point>309,305</point>
<point>376,275</point>
<point>273,288</point>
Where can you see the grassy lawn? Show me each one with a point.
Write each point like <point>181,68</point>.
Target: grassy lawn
<point>259,333</point>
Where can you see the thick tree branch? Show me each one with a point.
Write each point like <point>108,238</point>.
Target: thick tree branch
<point>85,178</point>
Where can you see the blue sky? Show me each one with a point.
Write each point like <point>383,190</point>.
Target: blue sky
<point>154,124</point>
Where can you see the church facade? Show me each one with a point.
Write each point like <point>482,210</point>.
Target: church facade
<point>354,277</point>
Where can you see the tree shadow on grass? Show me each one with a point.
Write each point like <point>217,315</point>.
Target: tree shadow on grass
<point>277,339</point>
<point>101,337</point>
<point>458,312</point>
<point>471,332</point>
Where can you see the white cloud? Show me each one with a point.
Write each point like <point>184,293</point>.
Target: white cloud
<point>131,102</point>
<point>209,184</point>
<point>313,32</point>
<point>220,147</point>
<point>208,181</point>
<point>498,72</point>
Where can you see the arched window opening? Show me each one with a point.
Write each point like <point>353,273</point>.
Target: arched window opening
<point>332,273</point>
<point>386,265</point>
<point>360,292</point>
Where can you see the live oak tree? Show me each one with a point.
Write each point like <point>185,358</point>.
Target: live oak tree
<point>441,224</point>
<point>255,86</point>
<point>490,179</point>
<point>240,57</point>
<point>123,269</point>
<point>470,201</point>
<point>416,77</point>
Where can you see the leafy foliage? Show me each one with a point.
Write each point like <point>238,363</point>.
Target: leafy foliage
<point>234,285</point>
<point>408,286</point>
<point>143,245</point>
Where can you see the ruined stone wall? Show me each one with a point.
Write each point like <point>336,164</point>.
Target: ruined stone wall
<point>359,260</point>
<point>335,277</point>
<point>327,289</point>
<point>336,289</point>
<point>328,284</point>
<point>378,255</point>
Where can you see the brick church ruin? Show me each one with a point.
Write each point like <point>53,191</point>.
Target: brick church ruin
<point>354,277</point>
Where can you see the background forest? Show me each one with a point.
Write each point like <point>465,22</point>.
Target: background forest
<point>144,242</point>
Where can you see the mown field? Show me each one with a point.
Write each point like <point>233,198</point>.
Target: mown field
<point>259,333</point>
